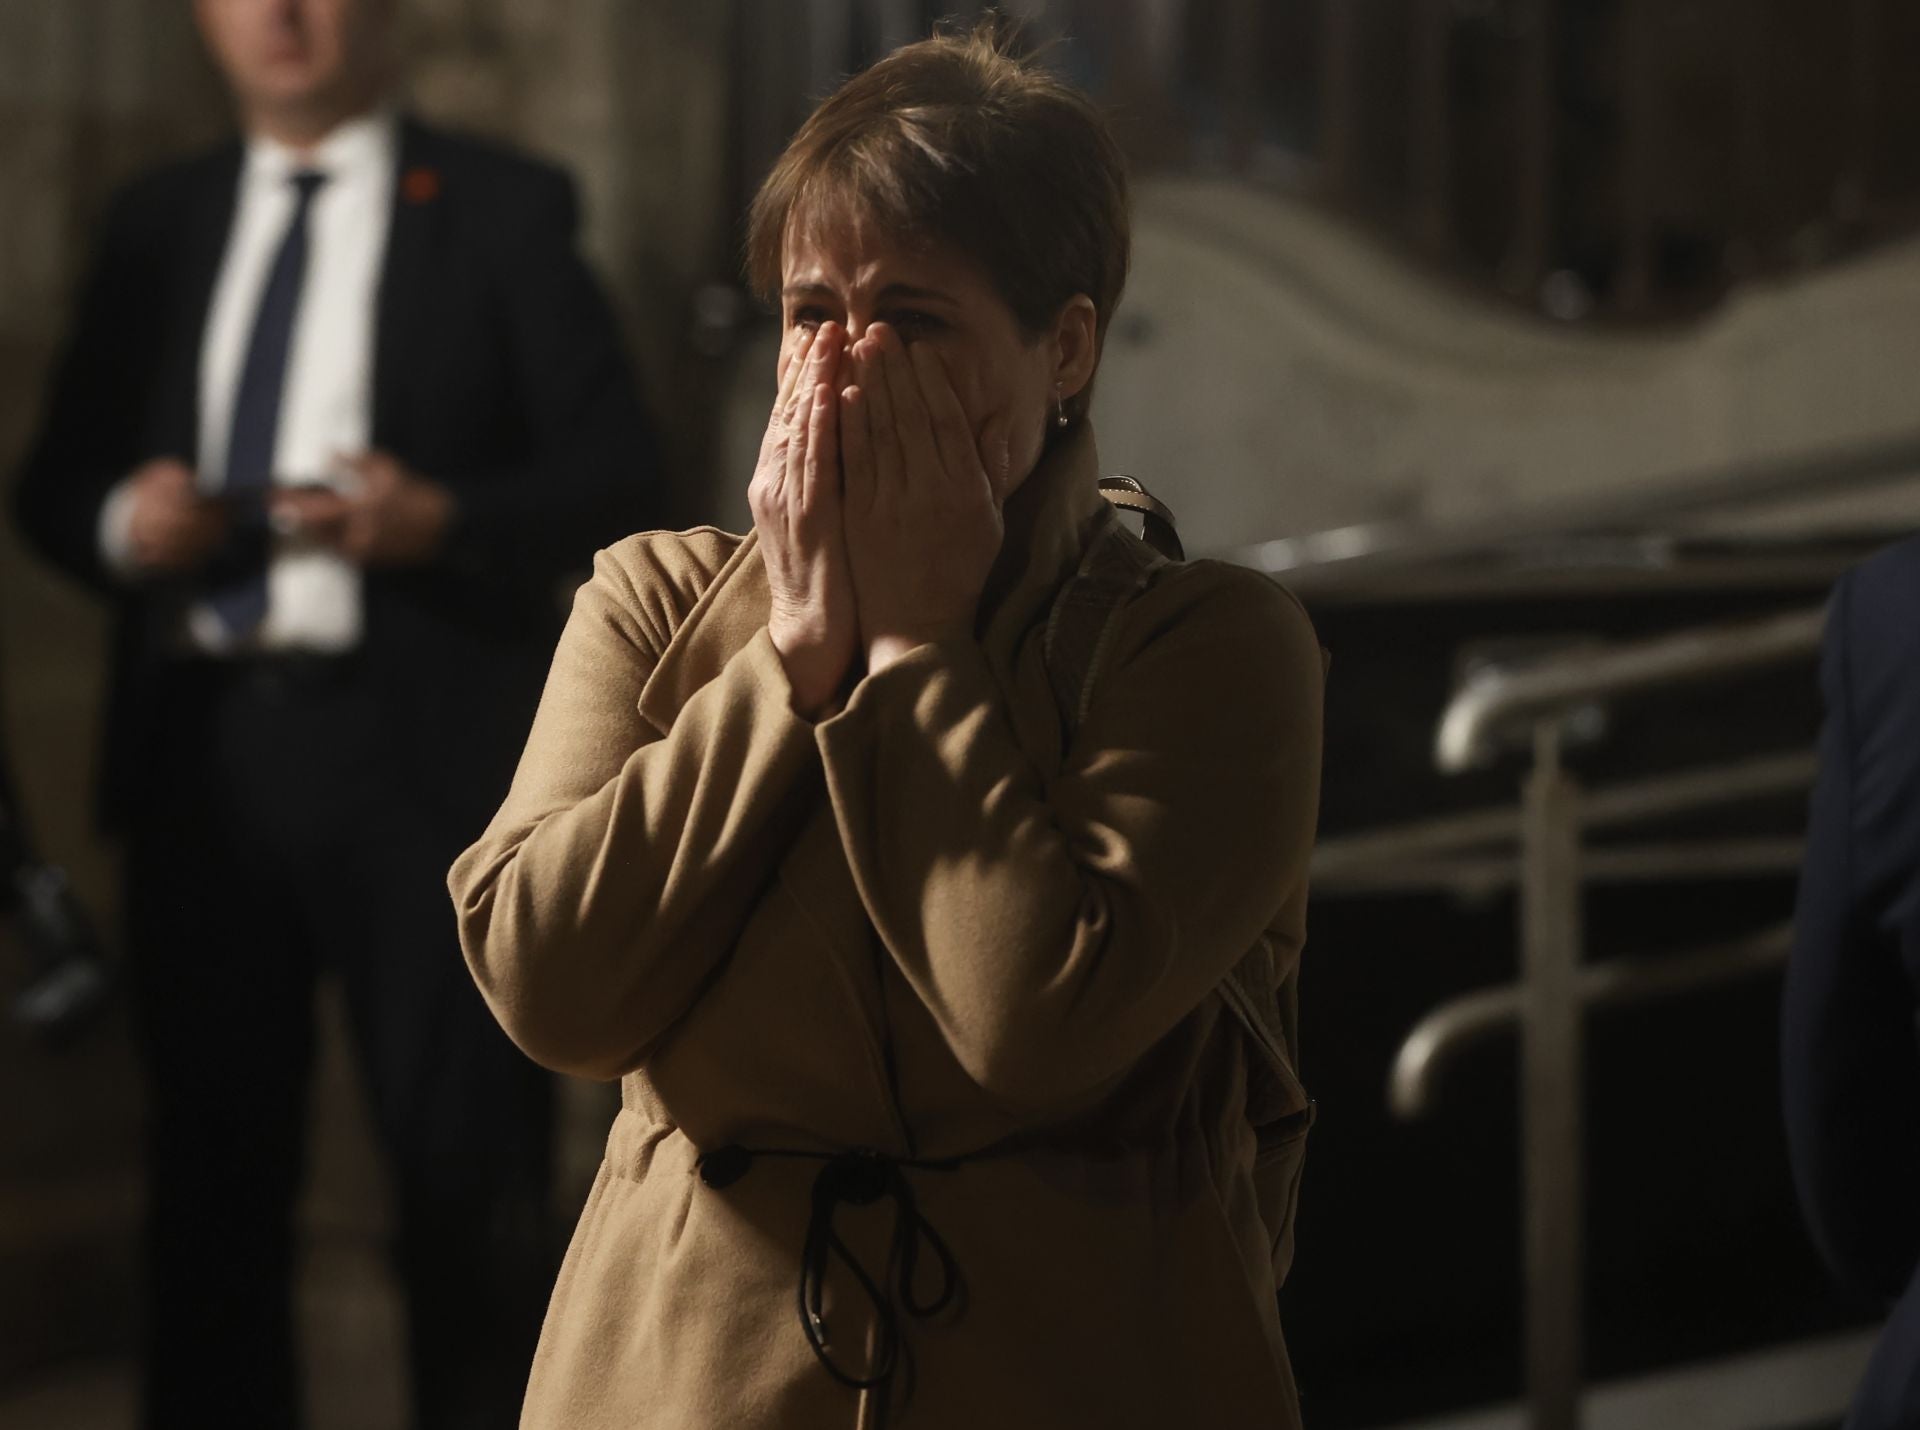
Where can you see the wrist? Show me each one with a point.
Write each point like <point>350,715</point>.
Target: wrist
<point>895,646</point>
<point>883,651</point>
<point>814,672</point>
<point>436,517</point>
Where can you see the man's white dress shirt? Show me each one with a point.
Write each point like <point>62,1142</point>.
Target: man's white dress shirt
<point>326,411</point>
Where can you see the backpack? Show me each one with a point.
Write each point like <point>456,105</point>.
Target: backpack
<point>1116,567</point>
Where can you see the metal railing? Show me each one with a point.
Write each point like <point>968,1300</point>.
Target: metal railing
<point>1463,1021</point>
<point>1497,697</point>
<point>1469,854</point>
<point>1539,846</point>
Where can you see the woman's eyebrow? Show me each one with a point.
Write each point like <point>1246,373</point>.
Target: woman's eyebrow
<point>897,292</point>
<point>893,292</point>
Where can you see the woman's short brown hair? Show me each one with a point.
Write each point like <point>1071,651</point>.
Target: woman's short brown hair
<point>959,141</point>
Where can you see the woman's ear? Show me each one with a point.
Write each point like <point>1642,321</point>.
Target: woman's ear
<point>1076,344</point>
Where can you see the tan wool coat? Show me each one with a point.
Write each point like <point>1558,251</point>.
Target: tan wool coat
<point>933,927</point>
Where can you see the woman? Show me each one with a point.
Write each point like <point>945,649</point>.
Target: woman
<point>916,978</point>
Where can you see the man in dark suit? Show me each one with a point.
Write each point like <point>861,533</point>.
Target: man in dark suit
<point>1851,1042</point>
<point>341,411</point>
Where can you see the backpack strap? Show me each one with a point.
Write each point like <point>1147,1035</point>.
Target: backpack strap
<point>1162,534</point>
<point>1116,567</point>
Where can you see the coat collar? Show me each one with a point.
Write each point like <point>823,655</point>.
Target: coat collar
<point>364,145</point>
<point>1047,524</point>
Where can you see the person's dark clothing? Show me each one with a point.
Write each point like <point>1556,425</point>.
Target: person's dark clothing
<point>1851,1042</point>
<point>498,372</point>
<point>289,815</point>
<point>269,849</point>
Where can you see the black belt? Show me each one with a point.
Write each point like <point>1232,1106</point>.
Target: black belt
<point>858,1178</point>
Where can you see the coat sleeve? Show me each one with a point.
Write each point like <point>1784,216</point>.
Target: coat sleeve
<point>1850,1063</point>
<point>618,873</point>
<point>1056,929</point>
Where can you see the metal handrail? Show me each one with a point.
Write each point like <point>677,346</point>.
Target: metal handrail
<point>1537,691</point>
<point>1369,861</point>
<point>1555,985</point>
<point>1467,1019</point>
<point>1674,861</point>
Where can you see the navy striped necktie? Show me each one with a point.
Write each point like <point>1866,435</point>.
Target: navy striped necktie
<point>239,596</point>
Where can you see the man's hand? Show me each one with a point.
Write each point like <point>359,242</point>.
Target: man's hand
<point>394,517</point>
<point>171,527</point>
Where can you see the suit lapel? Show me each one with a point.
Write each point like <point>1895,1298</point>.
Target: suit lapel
<point>208,224</point>
<point>413,236</point>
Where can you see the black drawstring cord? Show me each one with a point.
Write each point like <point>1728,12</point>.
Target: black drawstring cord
<point>858,1178</point>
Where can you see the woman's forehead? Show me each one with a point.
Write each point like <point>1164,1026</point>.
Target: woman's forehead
<point>845,251</point>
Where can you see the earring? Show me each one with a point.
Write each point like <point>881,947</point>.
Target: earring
<point>1060,409</point>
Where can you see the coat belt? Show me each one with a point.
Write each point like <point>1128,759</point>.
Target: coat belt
<point>859,1178</point>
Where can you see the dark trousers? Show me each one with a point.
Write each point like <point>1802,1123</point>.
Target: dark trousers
<point>275,841</point>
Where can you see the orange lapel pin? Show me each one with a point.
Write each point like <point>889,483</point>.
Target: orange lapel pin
<point>420,185</point>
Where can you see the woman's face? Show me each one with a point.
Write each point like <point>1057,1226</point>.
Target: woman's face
<point>844,273</point>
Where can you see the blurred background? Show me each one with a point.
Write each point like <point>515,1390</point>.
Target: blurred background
<point>1559,352</point>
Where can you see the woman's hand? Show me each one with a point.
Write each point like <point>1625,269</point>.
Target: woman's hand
<point>923,498</point>
<point>796,502</point>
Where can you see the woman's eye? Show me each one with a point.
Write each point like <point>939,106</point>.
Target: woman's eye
<point>809,317</point>
<point>913,325</point>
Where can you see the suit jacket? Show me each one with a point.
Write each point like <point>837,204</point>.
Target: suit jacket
<point>498,371</point>
<point>931,924</point>
<point>1851,1045</point>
